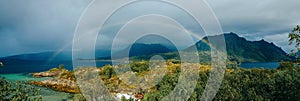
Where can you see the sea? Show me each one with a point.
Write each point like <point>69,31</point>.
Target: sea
<point>266,65</point>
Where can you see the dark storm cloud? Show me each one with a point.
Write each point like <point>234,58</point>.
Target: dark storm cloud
<point>271,20</point>
<point>45,25</point>
<point>37,25</point>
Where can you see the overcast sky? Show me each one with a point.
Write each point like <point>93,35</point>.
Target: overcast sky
<point>28,26</point>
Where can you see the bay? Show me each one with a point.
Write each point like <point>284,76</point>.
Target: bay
<point>267,65</point>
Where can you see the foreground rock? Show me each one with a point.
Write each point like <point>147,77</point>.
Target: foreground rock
<point>62,80</point>
<point>59,84</point>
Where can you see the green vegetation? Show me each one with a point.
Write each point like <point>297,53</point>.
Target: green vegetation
<point>261,84</point>
<point>282,83</point>
<point>252,51</point>
<point>139,66</point>
<point>238,84</point>
<point>18,91</point>
<point>294,38</point>
<point>107,72</point>
<point>243,84</point>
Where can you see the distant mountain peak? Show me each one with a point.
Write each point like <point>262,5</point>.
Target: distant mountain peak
<point>231,33</point>
<point>263,40</point>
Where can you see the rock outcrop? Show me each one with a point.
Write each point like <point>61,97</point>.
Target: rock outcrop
<point>58,84</point>
<point>54,72</point>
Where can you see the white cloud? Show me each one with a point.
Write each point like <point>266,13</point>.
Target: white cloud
<point>280,40</point>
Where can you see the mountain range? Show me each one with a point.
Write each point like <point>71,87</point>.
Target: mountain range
<point>140,49</point>
<point>238,49</point>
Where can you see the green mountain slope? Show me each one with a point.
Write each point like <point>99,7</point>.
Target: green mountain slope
<point>242,50</point>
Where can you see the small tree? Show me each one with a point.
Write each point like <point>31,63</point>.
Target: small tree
<point>294,38</point>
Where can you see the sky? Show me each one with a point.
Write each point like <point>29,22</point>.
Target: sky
<point>48,25</point>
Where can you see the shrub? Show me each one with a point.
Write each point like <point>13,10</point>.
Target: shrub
<point>285,65</point>
<point>18,91</point>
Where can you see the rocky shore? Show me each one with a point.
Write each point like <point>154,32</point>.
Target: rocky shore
<point>60,79</point>
<point>58,84</point>
<point>131,84</point>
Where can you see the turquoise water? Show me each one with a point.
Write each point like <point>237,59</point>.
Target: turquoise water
<point>46,93</point>
<point>20,71</point>
<point>20,77</point>
<point>270,65</point>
